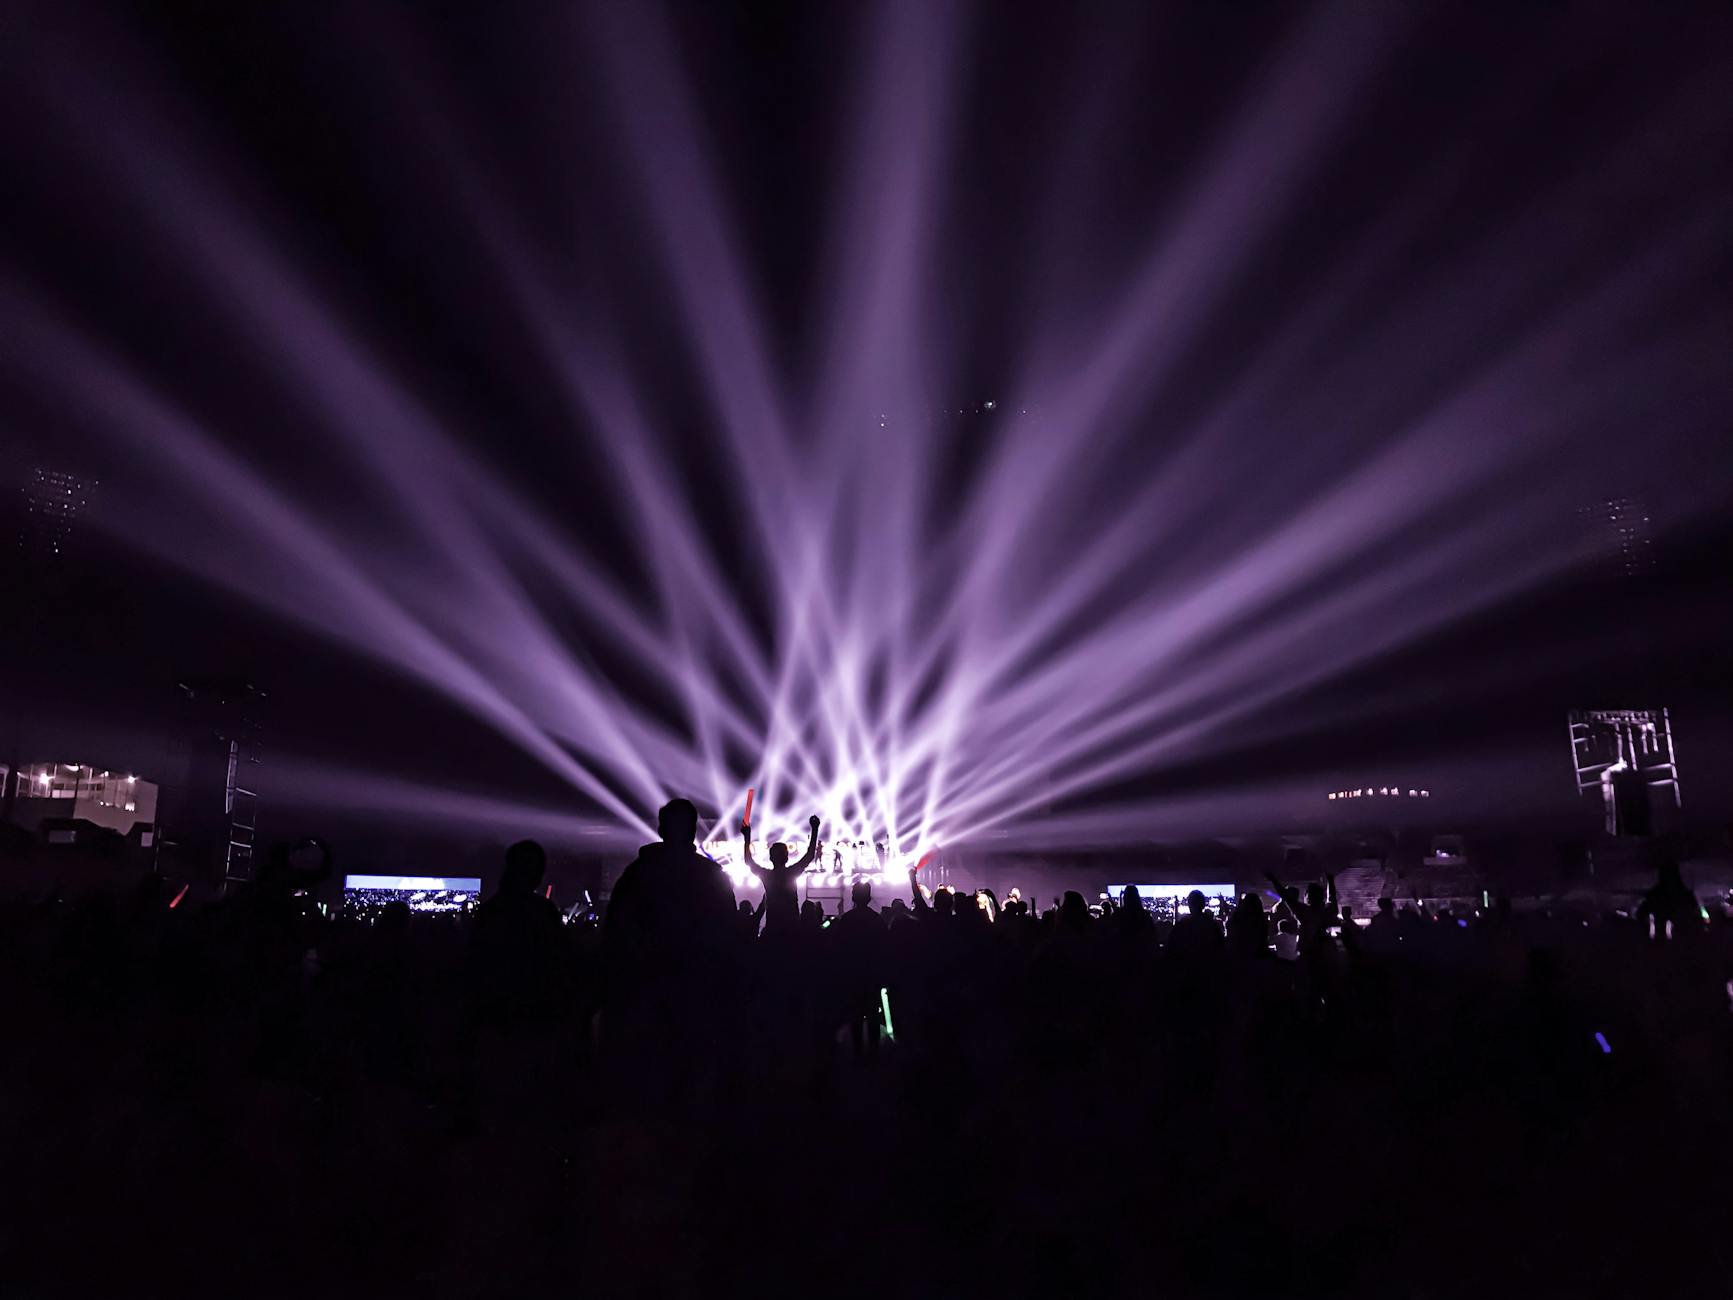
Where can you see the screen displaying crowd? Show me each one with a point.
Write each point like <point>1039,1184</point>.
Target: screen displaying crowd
<point>367,894</point>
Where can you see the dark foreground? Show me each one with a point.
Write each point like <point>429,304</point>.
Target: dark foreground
<point>250,1099</point>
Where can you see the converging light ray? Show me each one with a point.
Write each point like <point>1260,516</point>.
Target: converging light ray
<point>925,613</point>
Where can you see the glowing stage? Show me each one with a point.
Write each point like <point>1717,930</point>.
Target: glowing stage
<point>839,864</point>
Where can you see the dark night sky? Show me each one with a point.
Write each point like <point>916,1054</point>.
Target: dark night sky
<point>1078,130</point>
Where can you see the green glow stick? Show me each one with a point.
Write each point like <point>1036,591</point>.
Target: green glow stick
<point>885,1003</point>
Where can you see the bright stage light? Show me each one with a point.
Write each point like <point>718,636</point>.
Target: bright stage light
<point>919,653</point>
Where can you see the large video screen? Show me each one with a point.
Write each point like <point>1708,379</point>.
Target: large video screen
<point>1166,902</point>
<point>421,893</point>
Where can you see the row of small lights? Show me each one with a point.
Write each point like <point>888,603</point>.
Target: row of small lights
<point>43,778</point>
<point>1386,790</point>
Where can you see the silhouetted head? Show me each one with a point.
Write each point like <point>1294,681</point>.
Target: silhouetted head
<point>1073,911</point>
<point>862,893</point>
<point>1387,906</point>
<point>812,913</point>
<point>745,908</point>
<point>1129,897</point>
<point>1315,896</point>
<point>677,822</point>
<point>1196,902</point>
<point>295,865</point>
<point>779,855</point>
<point>1250,905</point>
<point>942,901</point>
<point>525,864</point>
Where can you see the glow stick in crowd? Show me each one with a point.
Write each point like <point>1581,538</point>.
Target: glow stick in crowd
<point>748,818</point>
<point>176,900</point>
<point>885,1005</point>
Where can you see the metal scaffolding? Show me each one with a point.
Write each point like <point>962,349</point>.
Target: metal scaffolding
<point>1610,746</point>
<point>231,709</point>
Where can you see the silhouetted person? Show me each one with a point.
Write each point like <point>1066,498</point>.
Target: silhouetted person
<point>861,909</point>
<point>515,943</point>
<point>1312,915</point>
<point>670,902</point>
<point>276,904</point>
<point>1319,915</point>
<point>1410,924</point>
<point>938,909</point>
<point>779,877</point>
<point>1381,934</point>
<point>1669,904</point>
<point>1288,939</point>
<point>1133,920</point>
<point>276,930</point>
<point>1197,935</point>
<point>669,937</point>
<point>858,941</point>
<point>1073,913</point>
<point>1248,934</point>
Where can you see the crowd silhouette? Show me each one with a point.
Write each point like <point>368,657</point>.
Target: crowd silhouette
<point>933,1095</point>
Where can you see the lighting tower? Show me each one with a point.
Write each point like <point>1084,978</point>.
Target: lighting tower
<point>1621,755</point>
<point>42,518</point>
<point>225,766</point>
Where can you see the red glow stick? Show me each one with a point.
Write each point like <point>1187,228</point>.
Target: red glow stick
<point>925,858</point>
<point>176,900</point>
<point>748,818</point>
<point>548,892</point>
